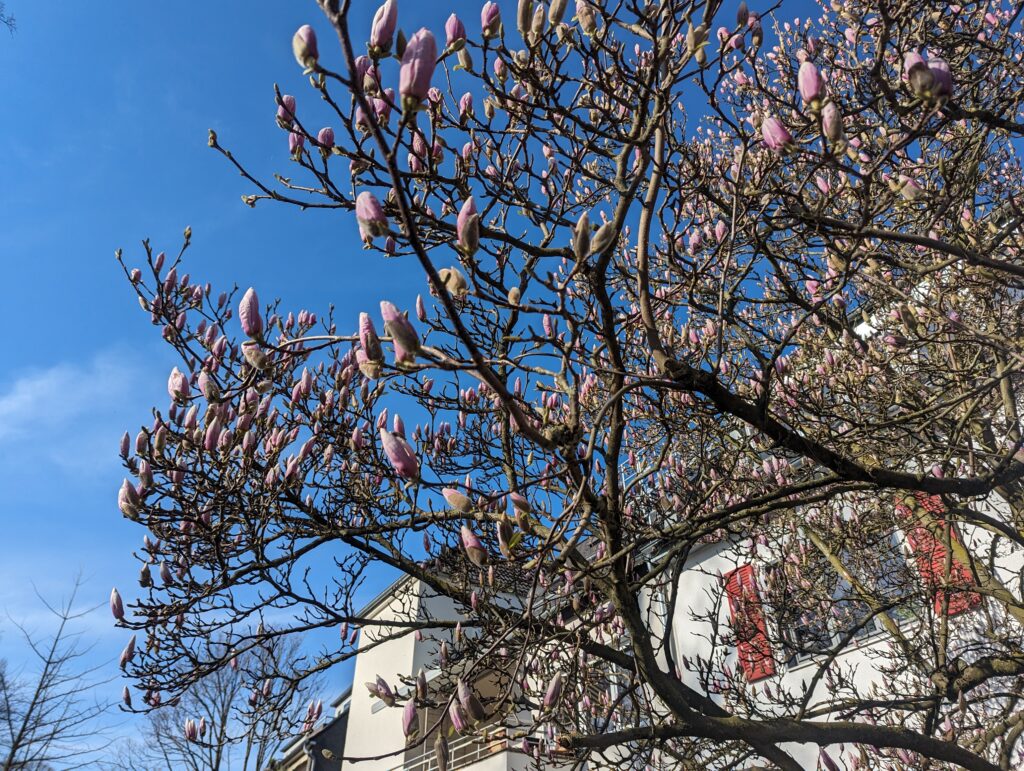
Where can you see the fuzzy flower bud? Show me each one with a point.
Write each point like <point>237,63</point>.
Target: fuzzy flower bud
<point>404,336</point>
<point>304,47</point>
<point>418,63</point>
<point>370,216</point>
<point>249,314</point>
<point>383,28</point>
<point>474,548</point>
<point>490,20</point>
<point>400,454</point>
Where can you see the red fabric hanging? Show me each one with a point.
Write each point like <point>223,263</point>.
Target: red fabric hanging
<point>930,555</point>
<point>747,619</point>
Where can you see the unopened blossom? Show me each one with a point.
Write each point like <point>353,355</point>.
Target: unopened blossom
<point>581,237</point>
<point>126,697</point>
<point>382,30</point>
<point>286,110</point>
<point>490,20</point>
<point>441,753</point>
<point>457,714</point>
<point>457,500</point>
<point>410,724</point>
<point>586,16</point>
<point>249,315</point>
<point>930,79</point>
<point>455,33</point>
<point>465,106</point>
<point>454,281</point>
<point>811,85</point>
<point>556,12</point>
<point>129,500</point>
<point>177,386</point>
<point>417,70</point>
<point>505,536</point>
<point>554,692</point>
<point>605,236</point>
<point>128,654</point>
<point>296,142</point>
<point>370,216</point>
<point>400,454</point>
<point>469,701</point>
<point>942,85</point>
<point>474,548</point>
<point>255,356</point>
<point>325,138</point>
<point>304,47</point>
<point>520,503</point>
<point>467,228</point>
<point>832,124</point>
<point>402,332</point>
<point>116,605</point>
<point>775,135</point>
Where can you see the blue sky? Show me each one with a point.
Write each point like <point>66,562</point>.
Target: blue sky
<point>107,108</point>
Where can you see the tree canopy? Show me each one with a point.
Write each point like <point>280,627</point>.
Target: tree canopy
<point>691,273</point>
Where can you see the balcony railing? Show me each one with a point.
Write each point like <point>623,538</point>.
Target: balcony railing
<point>464,751</point>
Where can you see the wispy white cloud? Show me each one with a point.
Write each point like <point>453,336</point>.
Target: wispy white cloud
<point>70,414</point>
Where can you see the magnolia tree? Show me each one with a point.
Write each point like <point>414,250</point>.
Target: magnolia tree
<point>690,273</point>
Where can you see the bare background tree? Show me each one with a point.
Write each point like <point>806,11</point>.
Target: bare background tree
<point>7,19</point>
<point>50,711</point>
<point>241,720</point>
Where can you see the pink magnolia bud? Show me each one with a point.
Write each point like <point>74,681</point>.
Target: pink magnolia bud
<point>191,731</point>
<point>129,500</point>
<point>520,503</point>
<point>942,85</point>
<point>441,753</point>
<point>128,654</point>
<point>826,761</point>
<point>296,142</point>
<point>457,715</point>
<point>410,724</point>
<point>325,138</point>
<point>383,28</point>
<point>457,500</point>
<point>775,135</point>
<point>505,536</point>
<point>403,335</point>
<point>469,701</point>
<point>304,47</point>
<point>249,314</point>
<point>370,216</point>
<point>467,228</point>
<point>116,605</point>
<point>177,386</point>
<point>917,74</point>
<point>418,63</point>
<point>368,340</point>
<point>474,548</point>
<point>126,697</point>
<point>811,84</point>
<point>832,124</point>
<point>465,106</point>
<point>286,109</point>
<point>554,692</point>
<point>400,453</point>
<point>490,20</point>
<point>455,33</point>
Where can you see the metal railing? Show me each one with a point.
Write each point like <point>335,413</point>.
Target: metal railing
<point>464,751</point>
